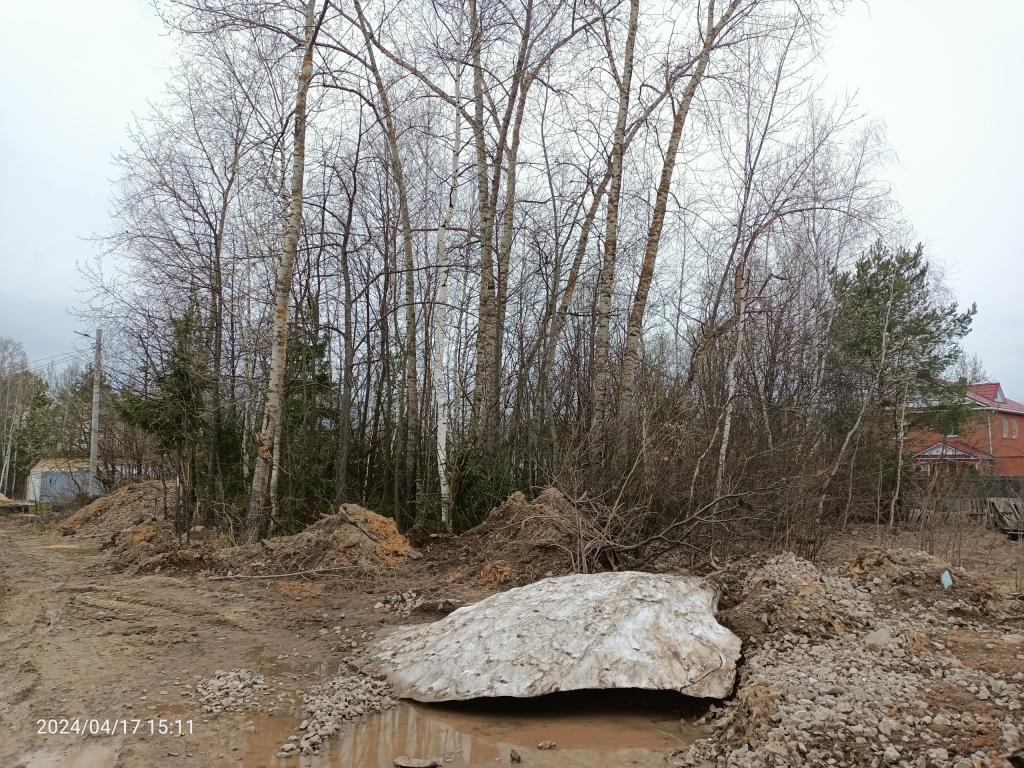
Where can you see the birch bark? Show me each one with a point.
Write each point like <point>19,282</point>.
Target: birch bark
<point>634,325</point>
<point>410,427</point>
<point>256,517</point>
<point>441,314</point>
<point>606,277</point>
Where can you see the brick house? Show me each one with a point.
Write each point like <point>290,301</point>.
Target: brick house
<point>991,441</point>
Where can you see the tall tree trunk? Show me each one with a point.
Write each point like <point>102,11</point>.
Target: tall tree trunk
<point>348,356</point>
<point>411,426</point>
<point>901,440</point>
<point>256,519</point>
<point>441,315</point>
<point>634,325</point>
<point>485,352</point>
<point>731,376</point>
<point>214,483</point>
<point>606,277</point>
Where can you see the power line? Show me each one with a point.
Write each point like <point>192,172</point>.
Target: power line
<point>56,360</point>
<point>44,360</point>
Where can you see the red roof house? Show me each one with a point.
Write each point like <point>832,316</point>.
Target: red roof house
<point>992,441</point>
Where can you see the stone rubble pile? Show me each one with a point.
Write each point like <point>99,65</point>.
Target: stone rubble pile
<point>330,704</point>
<point>881,688</point>
<point>231,690</point>
<point>401,604</point>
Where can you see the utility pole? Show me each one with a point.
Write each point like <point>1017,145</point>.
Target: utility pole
<point>94,435</point>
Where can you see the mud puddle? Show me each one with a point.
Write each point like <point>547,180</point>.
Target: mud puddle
<point>591,730</point>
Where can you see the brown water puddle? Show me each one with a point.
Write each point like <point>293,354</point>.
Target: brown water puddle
<point>594,732</point>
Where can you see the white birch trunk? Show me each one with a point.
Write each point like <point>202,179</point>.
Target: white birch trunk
<point>731,379</point>
<point>266,448</point>
<point>441,317</point>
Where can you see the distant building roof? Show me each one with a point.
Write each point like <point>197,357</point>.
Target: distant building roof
<point>989,394</point>
<point>61,465</point>
<point>952,449</point>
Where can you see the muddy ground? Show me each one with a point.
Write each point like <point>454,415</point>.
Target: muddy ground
<point>867,662</point>
<point>80,641</point>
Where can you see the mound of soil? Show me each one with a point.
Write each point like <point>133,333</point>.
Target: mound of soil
<point>129,522</point>
<point>134,549</point>
<point>123,508</point>
<point>864,665</point>
<point>781,594</point>
<point>915,575</point>
<point>518,543</point>
<point>354,538</point>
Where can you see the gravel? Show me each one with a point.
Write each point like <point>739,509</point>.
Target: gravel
<point>332,703</point>
<point>400,604</point>
<point>846,674</point>
<point>231,690</point>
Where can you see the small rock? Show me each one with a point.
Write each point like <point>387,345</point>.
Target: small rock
<point>878,639</point>
<point>415,762</point>
<point>515,757</point>
<point>547,745</point>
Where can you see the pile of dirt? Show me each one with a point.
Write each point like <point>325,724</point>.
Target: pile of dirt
<point>767,595</point>
<point>908,574</point>
<point>130,522</point>
<point>844,671</point>
<point>149,547</point>
<point>121,509</point>
<point>518,543</point>
<point>353,539</point>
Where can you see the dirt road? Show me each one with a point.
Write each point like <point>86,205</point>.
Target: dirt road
<point>77,642</point>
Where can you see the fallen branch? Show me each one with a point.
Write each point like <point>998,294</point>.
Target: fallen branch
<point>313,572</point>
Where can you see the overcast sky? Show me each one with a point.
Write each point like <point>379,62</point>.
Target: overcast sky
<point>947,87</point>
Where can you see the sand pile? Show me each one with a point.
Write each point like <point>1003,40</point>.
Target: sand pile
<point>355,538</point>
<point>124,508</point>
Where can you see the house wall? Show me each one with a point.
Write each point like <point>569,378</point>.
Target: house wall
<point>53,485</point>
<point>985,432</point>
<point>1009,450</point>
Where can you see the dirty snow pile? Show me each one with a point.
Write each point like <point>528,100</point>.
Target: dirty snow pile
<point>330,704</point>
<point>859,672</point>
<point>231,690</point>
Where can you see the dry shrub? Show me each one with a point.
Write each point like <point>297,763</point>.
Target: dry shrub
<point>518,542</point>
